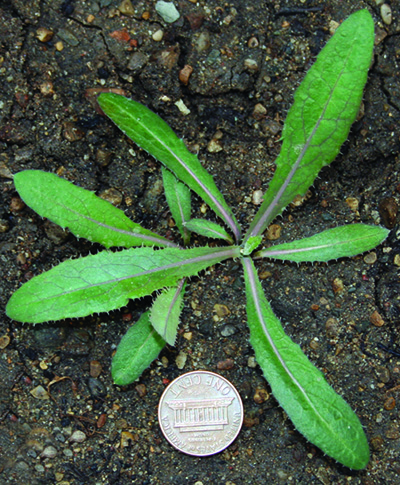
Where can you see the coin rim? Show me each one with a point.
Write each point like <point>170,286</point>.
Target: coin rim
<point>235,392</point>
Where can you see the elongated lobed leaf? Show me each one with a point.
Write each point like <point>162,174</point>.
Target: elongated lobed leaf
<point>316,410</point>
<point>138,348</point>
<point>208,229</point>
<point>325,106</point>
<point>152,134</point>
<point>105,281</point>
<point>82,212</point>
<point>178,198</point>
<point>333,243</point>
<point>166,311</point>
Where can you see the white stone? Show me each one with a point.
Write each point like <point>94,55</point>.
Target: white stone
<point>167,11</point>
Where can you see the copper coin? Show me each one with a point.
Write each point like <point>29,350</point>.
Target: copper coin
<point>200,413</point>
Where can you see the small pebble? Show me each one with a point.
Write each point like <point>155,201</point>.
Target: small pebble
<point>17,204</point>
<point>221,310</point>
<point>43,34</point>
<point>333,25</point>
<point>259,112</point>
<point>95,368</point>
<point>226,364</point>
<point>112,195</point>
<point>188,335</point>
<point>4,341</point>
<point>388,209</point>
<point>49,452</point>
<point>167,11</point>
<point>77,437</point>
<point>332,327</point>
<point>182,107</point>
<point>127,439</point>
<point>337,285</point>
<point>396,260</point>
<point>126,8</point>
<point>376,319</point>
<point>59,46</point>
<point>214,146</point>
<point>202,42</point>
<point>141,390</point>
<point>386,14</point>
<point>257,197</point>
<point>71,132</point>
<point>184,74</point>
<point>180,360</point>
<point>261,395</point>
<point>101,421</point>
<point>40,392</point>
<point>228,330</point>
<point>370,258</point>
<point>251,362</point>
<point>253,42</point>
<point>274,232</point>
<point>251,65</point>
<point>158,35</point>
<point>47,89</point>
<point>353,203</point>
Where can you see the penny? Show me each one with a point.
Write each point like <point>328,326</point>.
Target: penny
<point>200,413</point>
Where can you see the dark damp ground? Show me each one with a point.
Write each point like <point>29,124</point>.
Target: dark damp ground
<point>242,54</point>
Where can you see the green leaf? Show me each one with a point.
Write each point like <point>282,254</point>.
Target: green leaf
<point>81,211</point>
<point>325,106</point>
<point>166,310</point>
<point>178,198</point>
<point>105,281</point>
<point>320,414</point>
<point>208,229</point>
<point>152,134</point>
<point>334,243</point>
<point>251,244</point>
<point>138,348</point>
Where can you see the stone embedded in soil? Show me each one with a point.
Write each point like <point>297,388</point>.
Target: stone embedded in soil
<point>95,368</point>
<point>112,195</point>
<point>353,203</point>
<point>221,310</point>
<point>376,319</point>
<point>226,364</point>
<point>39,392</point>
<point>386,14</point>
<point>228,330</point>
<point>370,258</point>
<point>43,34</point>
<point>141,390</point>
<point>261,395</point>
<point>167,11</point>
<point>184,74</point>
<point>332,327</point>
<point>49,452</point>
<point>180,360</point>
<point>337,285</point>
<point>126,8</point>
<point>77,437</point>
<point>388,209</point>
<point>274,232</point>
<point>158,35</point>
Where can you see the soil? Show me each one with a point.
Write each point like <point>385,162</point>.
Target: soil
<point>79,428</point>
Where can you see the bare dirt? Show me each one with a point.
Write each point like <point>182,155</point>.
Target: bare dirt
<point>242,54</point>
